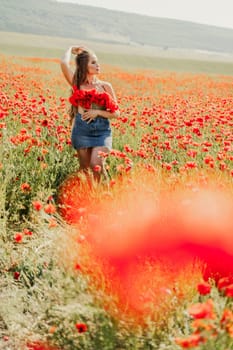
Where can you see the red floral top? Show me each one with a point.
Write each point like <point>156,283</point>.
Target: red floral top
<point>85,98</point>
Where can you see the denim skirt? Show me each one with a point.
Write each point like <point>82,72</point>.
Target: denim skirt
<point>97,133</point>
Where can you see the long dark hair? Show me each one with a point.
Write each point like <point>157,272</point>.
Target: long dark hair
<point>80,75</point>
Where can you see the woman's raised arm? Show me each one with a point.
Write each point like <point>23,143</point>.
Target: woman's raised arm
<point>65,65</point>
<point>65,62</point>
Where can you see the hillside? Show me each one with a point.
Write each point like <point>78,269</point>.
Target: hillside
<point>49,17</point>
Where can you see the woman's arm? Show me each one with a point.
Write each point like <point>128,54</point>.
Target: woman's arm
<point>65,62</point>
<point>65,66</point>
<point>108,88</point>
<point>91,114</point>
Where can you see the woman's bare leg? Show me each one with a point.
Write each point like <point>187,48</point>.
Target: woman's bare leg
<point>96,159</point>
<point>84,157</point>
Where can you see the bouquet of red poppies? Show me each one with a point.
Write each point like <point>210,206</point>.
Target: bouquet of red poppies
<point>85,98</point>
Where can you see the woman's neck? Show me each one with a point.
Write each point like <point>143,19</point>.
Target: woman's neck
<point>90,80</point>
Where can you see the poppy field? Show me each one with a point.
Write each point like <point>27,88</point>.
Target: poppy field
<point>141,261</point>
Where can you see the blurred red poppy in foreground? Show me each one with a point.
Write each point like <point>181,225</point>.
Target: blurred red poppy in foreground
<point>174,231</point>
<point>74,197</point>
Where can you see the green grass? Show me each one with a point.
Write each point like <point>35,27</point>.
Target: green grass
<point>126,57</point>
<point>168,64</point>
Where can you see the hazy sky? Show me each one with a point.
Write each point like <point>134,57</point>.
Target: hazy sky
<point>213,12</point>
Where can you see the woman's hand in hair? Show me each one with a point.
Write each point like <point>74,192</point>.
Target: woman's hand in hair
<point>77,50</point>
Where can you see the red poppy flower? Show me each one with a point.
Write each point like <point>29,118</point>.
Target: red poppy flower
<point>202,310</point>
<point>39,346</point>
<point>16,275</point>
<point>49,208</point>
<point>37,205</point>
<point>204,288</point>
<point>85,98</point>
<point>81,327</point>
<point>97,168</point>
<point>18,237</point>
<point>25,187</point>
<point>229,291</point>
<point>190,342</point>
<point>224,282</point>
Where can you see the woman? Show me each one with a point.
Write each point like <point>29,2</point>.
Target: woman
<point>93,104</point>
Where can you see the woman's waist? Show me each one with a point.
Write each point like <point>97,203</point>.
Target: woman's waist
<point>79,116</point>
<point>98,123</point>
<point>93,106</point>
<point>96,106</point>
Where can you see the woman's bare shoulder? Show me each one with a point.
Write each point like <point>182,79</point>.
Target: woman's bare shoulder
<point>105,83</point>
<point>108,88</point>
